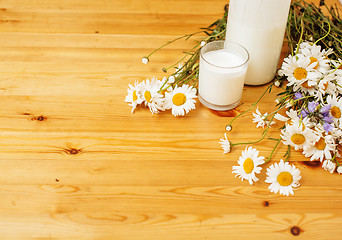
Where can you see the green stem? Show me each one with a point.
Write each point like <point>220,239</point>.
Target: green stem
<point>271,155</point>
<point>325,34</point>
<point>336,68</point>
<point>253,105</point>
<point>287,154</point>
<point>182,58</point>
<point>174,40</point>
<point>301,34</point>
<point>262,137</point>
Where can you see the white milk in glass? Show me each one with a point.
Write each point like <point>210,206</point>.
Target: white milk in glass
<point>222,74</point>
<point>259,26</point>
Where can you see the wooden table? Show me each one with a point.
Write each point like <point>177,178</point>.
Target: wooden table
<point>76,164</point>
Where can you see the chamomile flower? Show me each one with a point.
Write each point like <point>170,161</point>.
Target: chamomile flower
<point>134,97</point>
<point>322,148</point>
<point>317,57</point>
<point>225,144</point>
<point>329,166</point>
<point>152,98</point>
<point>300,72</point>
<point>260,119</point>
<point>336,108</point>
<point>181,100</point>
<point>283,177</point>
<point>298,137</point>
<point>325,87</point>
<point>293,119</point>
<point>291,114</point>
<point>304,45</point>
<point>249,162</point>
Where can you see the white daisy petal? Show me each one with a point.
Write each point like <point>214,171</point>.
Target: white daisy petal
<point>225,144</point>
<point>151,96</point>
<point>180,100</point>
<point>298,136</point>
<point>329,166</point>
<point>283,178</point>
<point>134,97</point>
<point>249,162</point>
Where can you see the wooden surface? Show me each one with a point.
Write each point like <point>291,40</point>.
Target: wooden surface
<point>76,164</point>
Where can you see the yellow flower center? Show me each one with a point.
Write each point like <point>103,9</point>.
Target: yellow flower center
<point>147,96</point>
<point>335,112</point>
<point>285,178</point>
<point>300,73</point>
<point>312,60</point>
<point>248,165</point>
<point>320,145</point>
<point>135,97</point>
<point>298,138</point>
<point>326,85</point>
<point>179,99</point>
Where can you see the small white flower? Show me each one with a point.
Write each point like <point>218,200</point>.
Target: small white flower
<point>249,162</point>
<point>225,144</point>
<point>134,97</point>
<point>298,137</point>
<point>181,100</point>
<point>145,60</point>
<point>203,43</point>
<point>335,108</point>
<point>339,169</point>
<point>316,56</point>
<point>283,177</point>
<point>304,45</point>
<point>329,166</point>
<point>292,117</point>
<point>152,98</point>
<point>261,119</point>
<point>322,148</point>
<point>277,83</point>
<point>300,72</point>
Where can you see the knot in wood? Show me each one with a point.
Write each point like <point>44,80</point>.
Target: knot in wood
<point>73,151</point>
<point>295,230</point>
<point>41,118</point>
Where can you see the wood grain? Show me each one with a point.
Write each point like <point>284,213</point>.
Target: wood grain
<point>76,164</point>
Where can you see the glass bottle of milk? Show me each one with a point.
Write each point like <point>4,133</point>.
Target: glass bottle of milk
<point>259,26</point>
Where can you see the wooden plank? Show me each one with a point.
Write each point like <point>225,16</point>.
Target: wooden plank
<point>117,6</point>
<point>76,164</point>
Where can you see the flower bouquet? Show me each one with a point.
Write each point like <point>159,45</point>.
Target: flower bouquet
<point>309,105</point>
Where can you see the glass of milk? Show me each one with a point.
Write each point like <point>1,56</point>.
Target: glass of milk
<point>259,26</point>
<point>222,73</point>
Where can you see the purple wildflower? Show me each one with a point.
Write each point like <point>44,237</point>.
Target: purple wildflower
<point>298,95</point>
<point>312,106</point>
<point>319,115</point>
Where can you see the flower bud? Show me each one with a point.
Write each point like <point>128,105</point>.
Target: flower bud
<point>229,128</point>
<point>145,60</point>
